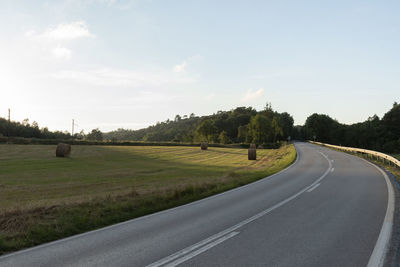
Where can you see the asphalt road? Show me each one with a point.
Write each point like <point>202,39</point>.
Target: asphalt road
<point>327,209</point>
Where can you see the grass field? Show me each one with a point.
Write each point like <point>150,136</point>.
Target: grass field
<point>44,198</point>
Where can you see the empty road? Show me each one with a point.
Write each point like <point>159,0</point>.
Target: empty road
<point>327,209</point>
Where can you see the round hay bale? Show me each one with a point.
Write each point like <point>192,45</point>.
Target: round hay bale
<point>204,145</point>
<point>253,146</point>
<point>252,154</point>
<point>63,150</point>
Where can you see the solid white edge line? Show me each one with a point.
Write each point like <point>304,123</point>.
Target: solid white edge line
<point>152,214</point>
<point>378,255</point>
<point>201,250</point>
<point>182,252</point>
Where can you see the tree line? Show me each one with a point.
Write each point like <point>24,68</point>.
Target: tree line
<point>32,130</point>
<point>240,125</point>
<point>380,134</point>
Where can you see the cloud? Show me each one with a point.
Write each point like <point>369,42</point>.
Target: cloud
<point>180,67</point>
<point>64,32</point>
<point>111,77</point>
<point>75,5</point>
<point>210,97</point>
<point>252,95</point>
<point>54,40</point>
<point>61,52</point>
<point>285,73</point>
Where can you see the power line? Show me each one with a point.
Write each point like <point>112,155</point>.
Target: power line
<point>74,127</point>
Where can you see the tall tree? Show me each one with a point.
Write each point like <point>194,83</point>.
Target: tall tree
<point>95,135</point>
<point>207,130</point>
<point>260,129</point>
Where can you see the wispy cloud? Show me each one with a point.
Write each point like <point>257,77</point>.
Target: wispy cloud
<point>285,73</point>
<point>81,4</point>
<point>55,39</point>
<point>180,67</point>
<point>63,32</point>
<point>252,95</point>
<point>111,77</point>
<point>210,97</point>
<point>61,52</point>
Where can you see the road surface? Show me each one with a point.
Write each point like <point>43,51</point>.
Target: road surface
<point>327,209</point>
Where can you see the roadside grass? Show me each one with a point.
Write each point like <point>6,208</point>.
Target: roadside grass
<point>44,198</point>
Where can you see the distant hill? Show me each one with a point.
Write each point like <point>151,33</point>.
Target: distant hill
<point>242,124</point>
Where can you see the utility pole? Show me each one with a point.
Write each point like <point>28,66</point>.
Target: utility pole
<point>72,132</point>
<point>8,124</point>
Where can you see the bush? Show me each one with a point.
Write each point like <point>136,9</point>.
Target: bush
<point>391,147</point>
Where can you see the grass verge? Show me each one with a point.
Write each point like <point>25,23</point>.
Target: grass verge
<point>46,198</point>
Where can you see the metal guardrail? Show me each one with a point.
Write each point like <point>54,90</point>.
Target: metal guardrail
<point>371,153</point>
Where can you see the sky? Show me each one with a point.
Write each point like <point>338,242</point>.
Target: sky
<point>112,64</point>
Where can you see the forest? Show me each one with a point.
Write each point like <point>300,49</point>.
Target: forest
<point>380,134</point>
<point>239,125</point>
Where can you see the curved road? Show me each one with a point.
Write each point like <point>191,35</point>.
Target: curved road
<point>327,209</point>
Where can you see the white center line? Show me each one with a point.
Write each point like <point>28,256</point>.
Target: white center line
<point>201,250</point>
<point>312,188</point>
<point>226,233</point>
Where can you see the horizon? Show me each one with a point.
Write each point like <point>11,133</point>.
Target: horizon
<point>113,64</point>
<point>196,115</point>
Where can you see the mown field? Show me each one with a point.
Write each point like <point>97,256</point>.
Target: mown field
<point>44,198</point>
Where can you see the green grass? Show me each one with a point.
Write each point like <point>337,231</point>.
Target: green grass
<point>44,198</point>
